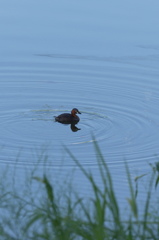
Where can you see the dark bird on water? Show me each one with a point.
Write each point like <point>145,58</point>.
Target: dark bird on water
<point>68,118</point>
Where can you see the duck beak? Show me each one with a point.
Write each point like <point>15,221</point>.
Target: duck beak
<point>79,112</point>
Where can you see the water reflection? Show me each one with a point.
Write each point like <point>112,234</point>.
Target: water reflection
<point>73,126</point>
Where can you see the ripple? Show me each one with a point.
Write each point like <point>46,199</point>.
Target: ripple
<point>119,105</point>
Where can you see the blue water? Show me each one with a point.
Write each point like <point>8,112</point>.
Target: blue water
<point>100,57</point>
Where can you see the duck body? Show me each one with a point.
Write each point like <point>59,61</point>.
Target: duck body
<point>68,118</point>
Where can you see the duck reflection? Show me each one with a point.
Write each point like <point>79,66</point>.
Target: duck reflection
<point>74,128</point>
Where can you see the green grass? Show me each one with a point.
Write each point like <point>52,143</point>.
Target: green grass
<point>54,216</point>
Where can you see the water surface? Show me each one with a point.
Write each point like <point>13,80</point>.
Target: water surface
<point>100,58</point>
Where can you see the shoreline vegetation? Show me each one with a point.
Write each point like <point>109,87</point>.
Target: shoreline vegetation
<point>54,217</point>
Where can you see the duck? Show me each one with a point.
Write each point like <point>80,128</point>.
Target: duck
<point>69,118</point>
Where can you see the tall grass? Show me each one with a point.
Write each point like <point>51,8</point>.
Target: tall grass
<point>62,217</point>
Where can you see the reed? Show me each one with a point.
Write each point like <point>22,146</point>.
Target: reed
<point>61,217</point>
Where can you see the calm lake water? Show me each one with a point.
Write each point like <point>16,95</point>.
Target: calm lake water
<point>100,57</point>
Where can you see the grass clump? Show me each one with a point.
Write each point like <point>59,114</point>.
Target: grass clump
<point>63,217</point>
